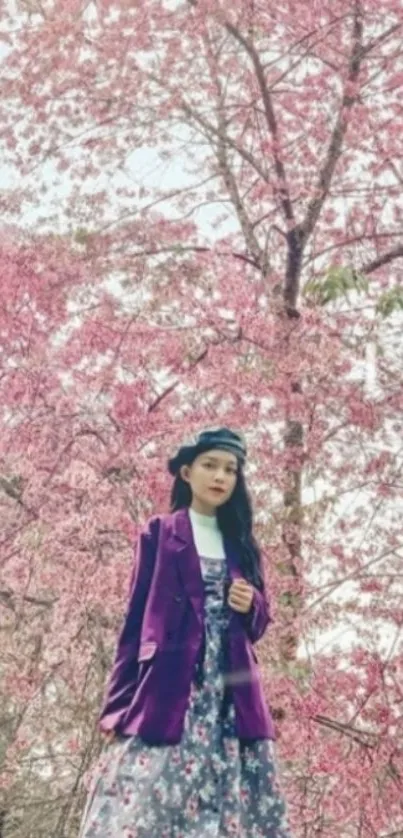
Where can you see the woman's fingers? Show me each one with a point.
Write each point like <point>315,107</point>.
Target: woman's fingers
<point>240,595</point>
<point>241,587</point>
<point>239,603</point>
<point>240,584</point>
<point>239,599</point>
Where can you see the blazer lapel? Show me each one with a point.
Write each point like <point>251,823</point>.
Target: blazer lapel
<point>188,561</point>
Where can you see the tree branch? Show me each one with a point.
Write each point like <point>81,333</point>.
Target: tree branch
<point>173,386</point>
<point>229,178</point>
<point>385,259</point>
<point>271,122</point>
<point>336,140</point>
<point>364,738</point>
<point>195,249</point>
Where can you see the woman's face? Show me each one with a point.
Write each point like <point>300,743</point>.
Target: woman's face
<point>209,472</point>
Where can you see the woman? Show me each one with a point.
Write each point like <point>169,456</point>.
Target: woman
<point>190,738</point>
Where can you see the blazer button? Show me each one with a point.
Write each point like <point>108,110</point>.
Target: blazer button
<point>178,599</point>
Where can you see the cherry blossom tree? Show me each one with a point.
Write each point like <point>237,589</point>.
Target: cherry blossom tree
<point>262,290</point>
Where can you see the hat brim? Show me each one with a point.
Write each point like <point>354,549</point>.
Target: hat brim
<point>186,454</point>
<point>189,452</point>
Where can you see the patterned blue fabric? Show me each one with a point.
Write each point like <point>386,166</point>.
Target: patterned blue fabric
<point>211,785</point>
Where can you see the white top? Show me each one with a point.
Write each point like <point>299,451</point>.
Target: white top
<point>207,535</point>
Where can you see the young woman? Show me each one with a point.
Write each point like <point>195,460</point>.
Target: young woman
<point>190,749</point>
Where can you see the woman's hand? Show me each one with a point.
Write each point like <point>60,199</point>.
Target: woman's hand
<point>240,596</point>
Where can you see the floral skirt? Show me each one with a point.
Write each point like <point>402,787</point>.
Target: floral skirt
<point>210,785</point>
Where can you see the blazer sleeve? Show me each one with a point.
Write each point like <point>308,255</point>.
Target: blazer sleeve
<point>124,673</point>
<point>259,617</point>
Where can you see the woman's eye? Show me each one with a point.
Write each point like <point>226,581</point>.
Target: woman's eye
<point>229,471</point>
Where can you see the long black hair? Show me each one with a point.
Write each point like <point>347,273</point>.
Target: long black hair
<point>235,520</point>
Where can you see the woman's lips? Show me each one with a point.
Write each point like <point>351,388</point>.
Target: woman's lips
<point>217,491</point>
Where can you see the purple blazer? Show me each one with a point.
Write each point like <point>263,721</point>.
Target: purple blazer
<point>162,639</point>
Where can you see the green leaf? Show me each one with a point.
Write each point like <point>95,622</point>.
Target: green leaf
<point>337,282</point>
<point>390,301</point>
